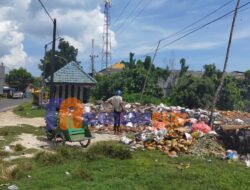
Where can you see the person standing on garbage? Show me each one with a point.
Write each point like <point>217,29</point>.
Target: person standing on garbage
<point>117,104</point>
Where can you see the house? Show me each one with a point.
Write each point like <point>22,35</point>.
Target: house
<point>2,77</point>
<point>72,81</point>
<point>117,67</point>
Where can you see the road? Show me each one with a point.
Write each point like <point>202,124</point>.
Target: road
<point>11,103</point>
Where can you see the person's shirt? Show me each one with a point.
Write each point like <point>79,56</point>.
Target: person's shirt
<point>116,103</point>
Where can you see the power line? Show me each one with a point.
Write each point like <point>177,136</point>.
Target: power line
<point>199,28</point>
<point>130,14</point>
<point>203,26</point>
<point>126,6</point>
<point>139,13</point>
<point>197,21</point>
<point>46,10</point>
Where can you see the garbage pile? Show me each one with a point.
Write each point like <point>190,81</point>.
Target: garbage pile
<point>174,130</point>
<point>207,146</point>
<point>176,141</point>
<point>137,116</point>
<point>235,117</point>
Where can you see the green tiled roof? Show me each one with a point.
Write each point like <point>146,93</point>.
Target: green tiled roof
<point>72,73</point>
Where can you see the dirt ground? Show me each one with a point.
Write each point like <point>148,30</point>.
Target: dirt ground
<point>8,118</point>
<point>41,142</point>
<point>30,141</point>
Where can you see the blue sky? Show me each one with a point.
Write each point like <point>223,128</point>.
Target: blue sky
<point>25,28</point>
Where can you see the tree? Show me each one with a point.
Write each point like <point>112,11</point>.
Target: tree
<point>230,95</point>
<point>193,92</point>
<point>19,78</point>
<point>131,81</point>
<point>65,54</point>
<point>184,67</point>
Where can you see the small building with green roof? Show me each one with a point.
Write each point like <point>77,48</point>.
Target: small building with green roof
<point>72,81</point>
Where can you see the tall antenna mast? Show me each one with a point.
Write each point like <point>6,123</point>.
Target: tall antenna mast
<point>92,58</point>
<point>106,49</point>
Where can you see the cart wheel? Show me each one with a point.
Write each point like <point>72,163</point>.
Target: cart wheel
<point>59,136</point>
<point>50,135</point>
<point>85,145</point>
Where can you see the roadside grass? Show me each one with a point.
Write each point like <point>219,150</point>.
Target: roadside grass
<point>10,133</point>
<point>72,168</point>
<point>29,111</point>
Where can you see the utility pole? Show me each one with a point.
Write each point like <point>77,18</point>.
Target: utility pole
<point>149,70</point>
<point>106,50</point>
<point>225,64</point>
<point>92,58</point>
<point>52,68</point>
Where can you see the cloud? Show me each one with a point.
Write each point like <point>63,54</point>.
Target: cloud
<point>11,47</point>
<point>25,21</point>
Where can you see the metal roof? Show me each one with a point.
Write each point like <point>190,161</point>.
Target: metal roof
<point>72,73</point>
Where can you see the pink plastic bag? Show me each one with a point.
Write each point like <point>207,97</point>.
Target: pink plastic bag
<point>201,126</point>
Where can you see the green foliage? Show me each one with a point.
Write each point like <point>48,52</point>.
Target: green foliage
<point>184,67</point>
<point>48,158</point>
<point>190,91</point>
<point>131,82</point>
<point>145,170</point>
<point>82,173</point>
<point>19,78</point>
<point>37,83</point>
<point>19,147</point>
<point>110,149</point>
<point>65,54</point>
<point>193,92</point>
<point>29,111</point>
<point>229,96</point>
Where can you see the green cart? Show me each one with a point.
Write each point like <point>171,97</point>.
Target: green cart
<point>82,134</point>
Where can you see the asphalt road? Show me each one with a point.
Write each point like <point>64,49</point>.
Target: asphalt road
<point>8,104</point>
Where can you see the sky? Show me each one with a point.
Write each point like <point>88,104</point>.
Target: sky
<point>25,28</point>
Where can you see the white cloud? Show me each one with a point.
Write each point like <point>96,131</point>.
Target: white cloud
<point>21,21</point>
<point>11,46</point>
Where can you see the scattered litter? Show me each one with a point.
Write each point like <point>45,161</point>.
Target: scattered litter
<point>232,155</point>
<point>247,161</point>
<point>7,149</point>
<point>126,140</point>
<point>67,173</point>
<point>12,187</point>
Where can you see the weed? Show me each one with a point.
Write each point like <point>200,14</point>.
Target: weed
<point>110,149</point>
<point>3,153</point>
<point>47,158</point>
<point>28,110</point>
<point>19,147</point>
<point>82,173</point>
<point>4,132</point>
<point>14,172</point>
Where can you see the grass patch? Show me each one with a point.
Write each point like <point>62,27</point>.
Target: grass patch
<point>18,147</point>
<point>145,170</point>
<point>82,173</point>
<point>28,110</point>
<point>10,133</point>
<point>47,158</point>
<point>110,149</point>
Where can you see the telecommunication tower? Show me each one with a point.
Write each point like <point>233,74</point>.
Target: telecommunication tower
<point>106,49</point>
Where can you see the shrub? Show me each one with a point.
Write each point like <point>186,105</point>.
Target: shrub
<point>110,149</point>
<point>82,173</point>
<point>47,158</point>
<point>19,147</point>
